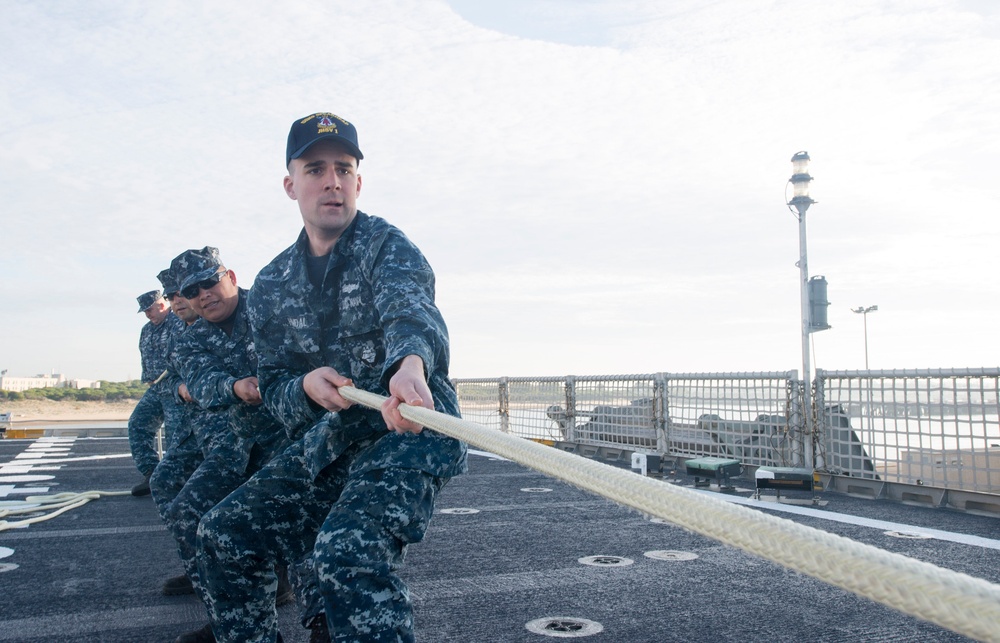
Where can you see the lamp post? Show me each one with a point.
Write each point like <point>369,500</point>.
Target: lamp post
<point>801,202</point>
<point>799,205</point>
<point>861,310</point>
<point>864,311</point>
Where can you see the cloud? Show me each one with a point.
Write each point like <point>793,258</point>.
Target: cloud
<point>605,197</point>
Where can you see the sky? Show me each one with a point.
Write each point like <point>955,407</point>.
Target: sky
<point>600,185</point>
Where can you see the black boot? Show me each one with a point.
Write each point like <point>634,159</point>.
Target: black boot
<point>178,585</point>
<point>318,631</point>
<point>142,489</point>
<point>285,593</point>
<point>202,635</point>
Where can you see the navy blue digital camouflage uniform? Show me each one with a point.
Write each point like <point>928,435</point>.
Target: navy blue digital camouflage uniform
<point>211,361</point>
<point>191,442</point>
<point>349,490</point>
<point>182,455</point>
<point>156,407</point>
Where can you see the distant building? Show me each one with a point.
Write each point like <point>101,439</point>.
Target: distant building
<point>56,380</point>
<point>83,383</point>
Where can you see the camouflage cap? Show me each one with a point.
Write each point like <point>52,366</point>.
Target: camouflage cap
<point>306,131</point>
<point>147,299</point>
<point>169,283</point>
<point>192,266</point>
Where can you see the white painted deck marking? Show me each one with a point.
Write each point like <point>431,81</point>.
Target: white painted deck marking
<point>882,525</point>
<point>11,490</point>
<point>81,458</point>
<point>486,454</point>
<point>24,478</point>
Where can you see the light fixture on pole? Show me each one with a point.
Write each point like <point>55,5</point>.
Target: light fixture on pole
<point>799,204</point>
<point>864,311</point>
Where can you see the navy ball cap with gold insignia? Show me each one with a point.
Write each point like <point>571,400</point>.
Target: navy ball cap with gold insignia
<point>319,126</point>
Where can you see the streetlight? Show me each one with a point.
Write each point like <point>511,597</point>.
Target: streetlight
<point>801,202</point>
<point>864,311</point>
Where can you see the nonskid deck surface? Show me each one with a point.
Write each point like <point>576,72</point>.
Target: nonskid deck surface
<point>503,551</point>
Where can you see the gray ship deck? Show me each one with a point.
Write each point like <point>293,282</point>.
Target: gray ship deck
<point>94,573</point>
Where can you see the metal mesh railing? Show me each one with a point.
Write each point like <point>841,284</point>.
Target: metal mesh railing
<point>619,412</point>
<point>939,428</point>
<point>591,410</point>
<point>739,415</point>
<point>481,401</point>
<point>746,416</point>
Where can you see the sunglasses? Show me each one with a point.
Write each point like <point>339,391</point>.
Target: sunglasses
<point>205,284</point>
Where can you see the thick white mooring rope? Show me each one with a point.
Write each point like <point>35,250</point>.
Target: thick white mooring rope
<point>61,502</point>
<point>956,601</point>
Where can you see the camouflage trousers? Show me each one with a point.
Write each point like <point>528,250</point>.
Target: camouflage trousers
<point>156,407</point>
<point>229,463</point>
<point>173,471</point>
<point>356,524</point>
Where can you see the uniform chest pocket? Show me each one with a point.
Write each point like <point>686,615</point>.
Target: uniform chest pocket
<point>303,333</point>
<point>364,346</point>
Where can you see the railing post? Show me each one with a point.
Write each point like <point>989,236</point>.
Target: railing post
<point>570,388</point>
<point>819,425</point>
<point>504,409</point>
<point>661,413</point>
<point>796,421</point>
<point>809,428</point>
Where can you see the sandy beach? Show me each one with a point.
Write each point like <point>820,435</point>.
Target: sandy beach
<point>31,410</point>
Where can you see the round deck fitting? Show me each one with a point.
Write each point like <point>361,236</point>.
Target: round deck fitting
<point>564,627</point>
<point>605,561</point>
<point>671,555</point>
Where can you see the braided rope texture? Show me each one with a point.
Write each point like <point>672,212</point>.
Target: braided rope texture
<point>62,502</point>
<point>964,604</point>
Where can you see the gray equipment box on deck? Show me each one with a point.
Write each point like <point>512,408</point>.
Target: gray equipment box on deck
<point>719,469</point>
<point>783,478</point>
